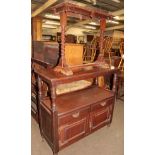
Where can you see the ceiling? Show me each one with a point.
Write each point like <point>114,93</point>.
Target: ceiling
<point>115,7</point>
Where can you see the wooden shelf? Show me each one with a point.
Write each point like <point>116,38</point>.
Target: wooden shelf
<point>72,101</point>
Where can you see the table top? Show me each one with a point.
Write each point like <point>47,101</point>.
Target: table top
<point>59,78</point>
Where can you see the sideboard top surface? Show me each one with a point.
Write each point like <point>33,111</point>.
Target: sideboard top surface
<point>79,99</point>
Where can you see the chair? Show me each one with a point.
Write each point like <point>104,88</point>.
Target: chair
<point>107,45</point>
<point>121,64</point>
<point>90,50</point>
<point>121,74</point>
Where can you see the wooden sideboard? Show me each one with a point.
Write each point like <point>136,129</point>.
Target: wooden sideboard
<point>68,117</point>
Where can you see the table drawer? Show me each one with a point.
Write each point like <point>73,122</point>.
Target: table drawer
<point>73,116</point>
<point>101,105</point>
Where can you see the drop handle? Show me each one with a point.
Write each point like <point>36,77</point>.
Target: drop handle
<point>76,115</point>
<point>103,104</point>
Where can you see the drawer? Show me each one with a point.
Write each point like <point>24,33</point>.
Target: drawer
<point>73,116</point>
<point>101,105</point>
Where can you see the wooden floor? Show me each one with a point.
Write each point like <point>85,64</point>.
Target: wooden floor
<point>105,141</point>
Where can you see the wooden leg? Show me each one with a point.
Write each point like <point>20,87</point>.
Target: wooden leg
<point>108,125</point>
<point>42,139</point>
<point>54,153</point>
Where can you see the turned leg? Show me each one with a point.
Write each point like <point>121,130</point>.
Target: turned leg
<point>42,138</point>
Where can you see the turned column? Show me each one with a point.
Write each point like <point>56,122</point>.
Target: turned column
<point>102,29</point>
<point>39,101</point>
<point>54,120</point>
<point>114,88</point>
<point>101,54</point>
<point>63,23</point>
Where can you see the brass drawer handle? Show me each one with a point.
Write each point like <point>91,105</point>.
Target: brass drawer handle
<point>103,104</point>
<point>76,115</point>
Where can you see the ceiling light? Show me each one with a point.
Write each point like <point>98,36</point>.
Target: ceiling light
<point>117,1</point>
<point>93,23</point>
<point>52,16</point>
<point>112,21</point>
<point>94,2</point>
<point>52,22</point>
<point>49,26</point>
<point>90,27</point>
<point>116,17</point>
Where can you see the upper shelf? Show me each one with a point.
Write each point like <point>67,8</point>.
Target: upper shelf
<point>81,74</point>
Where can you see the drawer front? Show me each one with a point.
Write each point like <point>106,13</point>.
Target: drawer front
<point>101,105</point>
<point>100,118</point>
<point>73,116</point>
<point>70,133</point>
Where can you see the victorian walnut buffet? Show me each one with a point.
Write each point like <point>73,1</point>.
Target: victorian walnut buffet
<point>70,101</point>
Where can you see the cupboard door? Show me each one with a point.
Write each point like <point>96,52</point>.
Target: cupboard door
<point>99,118</point>
<point>69,133</point>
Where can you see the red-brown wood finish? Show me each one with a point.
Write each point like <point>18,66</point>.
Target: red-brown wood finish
<point>102,29</point>
<point>66,118</point>
<point>63,22</point>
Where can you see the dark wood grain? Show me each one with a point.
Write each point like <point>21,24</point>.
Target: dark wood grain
<point>69,117</point>
<point>66,118</point>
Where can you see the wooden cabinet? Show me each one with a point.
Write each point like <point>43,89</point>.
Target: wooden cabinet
<point>47,52</point>
<point>73,126</point>
<point>68,117</point>
<point>75,114</point>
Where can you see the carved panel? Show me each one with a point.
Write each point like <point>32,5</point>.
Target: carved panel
<point>99,118</point>
<point>71,132</point>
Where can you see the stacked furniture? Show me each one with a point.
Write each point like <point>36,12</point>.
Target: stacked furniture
<point>71,98</point>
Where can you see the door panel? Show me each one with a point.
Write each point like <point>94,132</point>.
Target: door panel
<point>74,131</point>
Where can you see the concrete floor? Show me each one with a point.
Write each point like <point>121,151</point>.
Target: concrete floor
<point>105,141</point>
